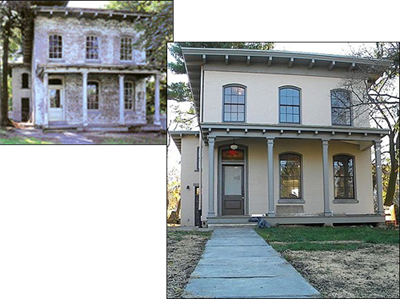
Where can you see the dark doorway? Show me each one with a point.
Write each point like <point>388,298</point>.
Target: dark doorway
<point>197,210</point>
<point>24,109</point>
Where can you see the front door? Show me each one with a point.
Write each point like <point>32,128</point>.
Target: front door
<point>56,103</point>
<point>232,190</point>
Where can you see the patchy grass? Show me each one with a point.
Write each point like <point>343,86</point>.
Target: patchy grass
<point>341,262</point>
<point>22,140</point>
<point>131,138</point>
<point>184,251</point>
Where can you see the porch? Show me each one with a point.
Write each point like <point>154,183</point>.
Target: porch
<point>260,182</point>
<point>81,96</point>
<point>304,219</point>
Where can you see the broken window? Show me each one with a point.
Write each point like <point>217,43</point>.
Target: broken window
<point>92,47</point>
<point>93,95</point>
<point>55,46</point>
<point>126,48</point>
<point>129,96</point>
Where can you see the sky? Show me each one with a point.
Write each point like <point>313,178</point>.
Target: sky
<point>87,4</point>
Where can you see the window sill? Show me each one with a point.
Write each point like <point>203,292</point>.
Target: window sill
<point>55,60</point>
<point>345,201</point>
<point>291,201</point>
<point>93,61</point>
<point>94,111</point>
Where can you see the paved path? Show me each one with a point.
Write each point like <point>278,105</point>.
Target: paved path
<point>238,263</point>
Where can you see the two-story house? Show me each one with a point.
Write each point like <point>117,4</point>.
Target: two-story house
<point>81,68</point>
<point>279,138</point>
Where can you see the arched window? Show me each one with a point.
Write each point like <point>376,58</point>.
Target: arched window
<point>25,80</point>
<point>290,176</point>
<point>341,107</point>
<point>343,176</point>
<point>289,105</point>
<point>234,103</point>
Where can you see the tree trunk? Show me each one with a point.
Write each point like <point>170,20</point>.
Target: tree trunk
<point>394,164</point>
<point>4,121</point>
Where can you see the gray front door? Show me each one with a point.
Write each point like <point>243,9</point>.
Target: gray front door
<point>232,190</point>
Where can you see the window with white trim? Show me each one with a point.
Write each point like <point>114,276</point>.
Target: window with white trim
<point>92,95</point>
<point>92,47</point>
<point>126,48</point>
<point>55,46</point>
<point>129,95</point>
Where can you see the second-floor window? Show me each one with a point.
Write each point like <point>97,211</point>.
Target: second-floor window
<point>289,105</point>
<point>341,107</point>
<point>126,48</point>
<point>92,47</point>
<point>55,46</point>
<point>234,103</point>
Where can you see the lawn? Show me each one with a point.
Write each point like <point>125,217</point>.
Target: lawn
<point>126,138</point>
<point>341,262</point>
<point>22,140</point>
<point>312,238</point>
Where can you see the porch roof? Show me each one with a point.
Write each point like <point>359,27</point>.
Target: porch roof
<point>178,135</point>
<point>365,136</point>
<point>145,69</point>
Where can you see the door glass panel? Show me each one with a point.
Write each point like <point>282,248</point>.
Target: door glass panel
<point>233,180</point>
<point>55,98</point>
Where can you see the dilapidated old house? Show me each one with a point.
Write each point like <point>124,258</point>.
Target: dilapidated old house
<point>82,68</point>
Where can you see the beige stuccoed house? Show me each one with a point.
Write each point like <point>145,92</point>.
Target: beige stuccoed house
<point>279,139</point>
<point>81,68</point>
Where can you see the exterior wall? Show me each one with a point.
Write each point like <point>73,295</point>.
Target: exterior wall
<point>18,92</point>
<point>74,34</point>
<point>262,98</point>
<point>312,176</point>
<point>108,112</point>
<point>189,177</point>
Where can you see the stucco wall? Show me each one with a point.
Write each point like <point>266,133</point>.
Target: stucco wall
<point>262,99</point>
<point>18,92</point>
<point>189,177</point>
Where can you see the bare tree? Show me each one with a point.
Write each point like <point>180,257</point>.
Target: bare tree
<point>378,97</point>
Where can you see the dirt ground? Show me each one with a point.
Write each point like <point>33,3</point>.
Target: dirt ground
<point>184,252</point>
<point>371,272</point>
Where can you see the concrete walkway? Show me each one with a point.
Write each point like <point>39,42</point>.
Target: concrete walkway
<point>238,263</point>
<point>62,137</point>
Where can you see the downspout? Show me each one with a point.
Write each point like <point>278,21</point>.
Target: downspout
<point>201,147</point>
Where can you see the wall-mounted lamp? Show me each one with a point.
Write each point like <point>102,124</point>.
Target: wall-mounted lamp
<point>188,187</point>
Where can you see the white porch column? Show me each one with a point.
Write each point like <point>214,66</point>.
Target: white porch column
<point>271,203</point>
<point>46,100</point>
<point>157,100</point>
<point>211,143</point>
<point>378,164</point>
<point>121,100</point>
<point>325,169</point>
<point>84,98</point>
